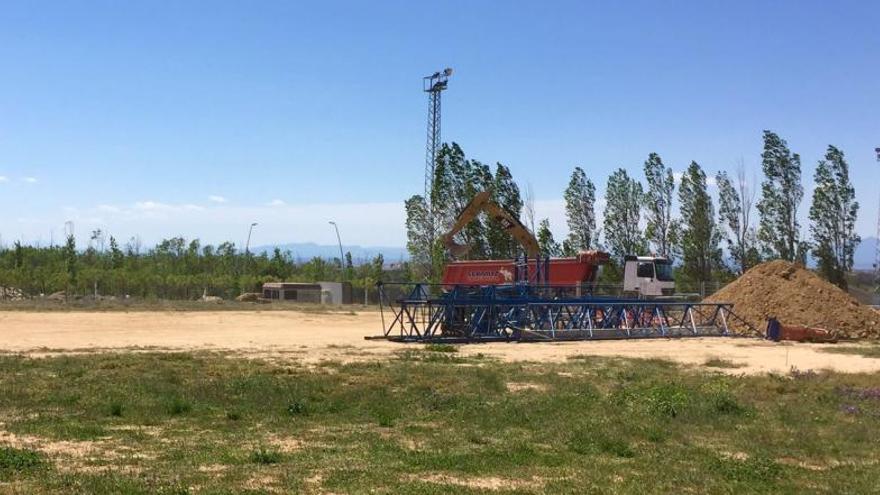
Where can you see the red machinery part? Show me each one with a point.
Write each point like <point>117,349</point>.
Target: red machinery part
<point>562,271</point>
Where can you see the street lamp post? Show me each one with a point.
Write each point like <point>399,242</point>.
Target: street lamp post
<point>247,244</point>
<point>341,255</point>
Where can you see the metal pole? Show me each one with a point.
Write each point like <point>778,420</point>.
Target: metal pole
<point>247,244</point>
<point>341,255</point>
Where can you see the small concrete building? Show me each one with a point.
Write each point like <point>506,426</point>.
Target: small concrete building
<point>317,292</point>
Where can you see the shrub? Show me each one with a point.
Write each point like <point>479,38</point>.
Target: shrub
<point>18,460</point>
<point>667,399</point>
<point>441,348</point>
<point>265,456</point>
<point>592,441</point>
<point>179,406</point>
<point>296,408</point>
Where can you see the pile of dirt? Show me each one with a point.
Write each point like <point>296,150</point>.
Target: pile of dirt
<point>796,296</point>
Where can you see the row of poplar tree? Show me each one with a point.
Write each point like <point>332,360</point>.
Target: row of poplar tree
<point>642,218</point>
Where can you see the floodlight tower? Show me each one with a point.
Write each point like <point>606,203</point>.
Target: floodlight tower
<point>434,85</point>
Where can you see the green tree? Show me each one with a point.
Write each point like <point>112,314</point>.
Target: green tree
<point>661,228</point>
<point>117,257</point>
<point>781,195</point>
<point>623,200</point>
<point>734,214</point>
<point>700,236</point>
<point>457,180</point>
<point>833,216</point>
<point>349,266</point>
<point>70,262</point>
<point>580,212</point>
<point>549,246</point>
<point>419,237</point>
<point>506,194</point>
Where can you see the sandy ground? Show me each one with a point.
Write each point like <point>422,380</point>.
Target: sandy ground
<point>312,337</point>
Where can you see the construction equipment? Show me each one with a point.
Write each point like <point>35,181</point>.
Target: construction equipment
<point>649,276</point>
<point>510,223</point>
<point>537,299</point>
<point>581,270</point>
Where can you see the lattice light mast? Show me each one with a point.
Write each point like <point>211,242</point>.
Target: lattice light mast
<point>434,85</point>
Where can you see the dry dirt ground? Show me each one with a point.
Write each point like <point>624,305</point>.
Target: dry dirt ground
<point>313,337</point>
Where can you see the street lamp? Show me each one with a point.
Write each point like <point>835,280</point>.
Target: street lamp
<point>247,245</point>
<point>341,256</point>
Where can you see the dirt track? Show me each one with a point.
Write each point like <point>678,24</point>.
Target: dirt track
<point>312,337</point>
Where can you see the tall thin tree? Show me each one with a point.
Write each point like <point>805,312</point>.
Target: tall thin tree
<point>623,202</point>
<point>549,246</point>
<point>580,212</point>
<point>661,227</point>
<point>833,218</point>
<point>700,236</point>
<point>781,195</point>
<point>735,202</point>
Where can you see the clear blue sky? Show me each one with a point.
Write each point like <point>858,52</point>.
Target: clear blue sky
<point>195,118</point>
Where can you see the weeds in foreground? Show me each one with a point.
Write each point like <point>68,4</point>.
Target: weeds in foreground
<point>13,460</point>
<point>441,348</point>
<point>864,349</point>
<point>722,363</point>
<point>265,456</point>
<point>191,419</point>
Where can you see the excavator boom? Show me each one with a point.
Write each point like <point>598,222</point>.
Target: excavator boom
<point>511,224</point>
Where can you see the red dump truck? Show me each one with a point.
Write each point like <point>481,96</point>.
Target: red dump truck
<point>576,271</point>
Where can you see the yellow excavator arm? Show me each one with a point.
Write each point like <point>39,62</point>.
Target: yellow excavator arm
<point>511,224</point>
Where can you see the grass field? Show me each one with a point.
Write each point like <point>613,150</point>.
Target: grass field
<point>428,420</point>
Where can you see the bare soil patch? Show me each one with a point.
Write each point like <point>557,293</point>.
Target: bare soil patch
<point>314,338</point>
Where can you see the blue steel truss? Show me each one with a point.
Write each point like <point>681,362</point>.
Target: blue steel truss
<point>432,313</point>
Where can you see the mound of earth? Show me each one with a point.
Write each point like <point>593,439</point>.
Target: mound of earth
<point>796,296</point>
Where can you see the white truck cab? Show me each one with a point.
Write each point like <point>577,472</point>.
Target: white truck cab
<point>648,276</point>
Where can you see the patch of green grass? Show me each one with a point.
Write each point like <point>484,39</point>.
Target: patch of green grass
<point>265,456</point>
<point>193,419</point>
<point>441,348</point>
<point>868,350</point>
<point>15,463</point>
<point>12,459</point>
<point>297,407</point>
<point>178,406</point>
<point>116,409</point>
<point>598,441</point>
<point>722,363</point>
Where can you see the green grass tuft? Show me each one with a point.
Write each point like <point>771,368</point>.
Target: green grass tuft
<point>722,363</point>
<point>441,348</point>
<point>179,406</point>
<point>265,456</point>
<point>116,409</point>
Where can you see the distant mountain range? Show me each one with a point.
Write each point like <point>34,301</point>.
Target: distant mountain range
<point>863,259</point>
<point>307,250</point>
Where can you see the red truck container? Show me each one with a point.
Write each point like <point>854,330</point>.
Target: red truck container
<point>575,271</point>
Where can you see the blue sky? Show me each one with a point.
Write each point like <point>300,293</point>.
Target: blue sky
<point>196,118</point>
